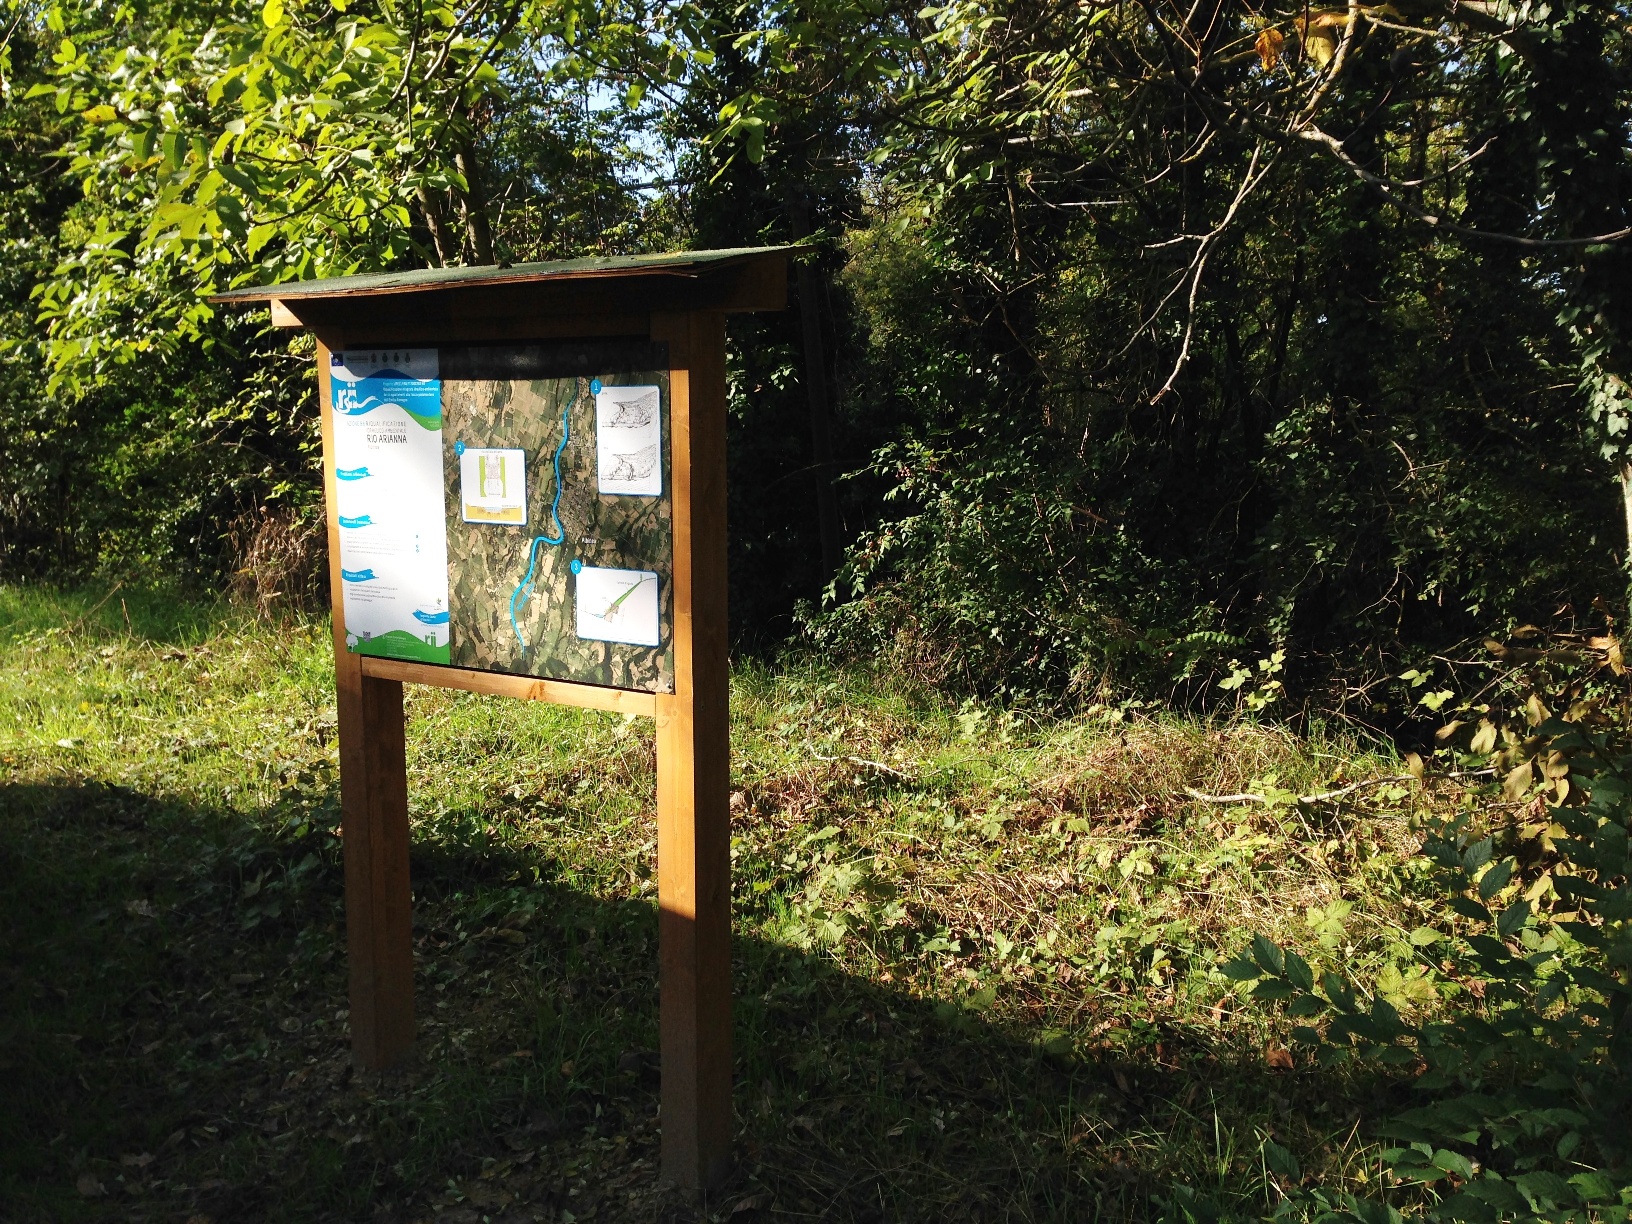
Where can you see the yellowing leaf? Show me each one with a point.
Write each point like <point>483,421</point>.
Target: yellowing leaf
<point>272,14</point>
<point>1516,785</point>
<point>1269,44</point>
<point>1320,32</point>
<point>1446,733</point>
<point>100,114</point>
<point>1405,989</point>
<point>1514,654</point>
<point>1542,886</point>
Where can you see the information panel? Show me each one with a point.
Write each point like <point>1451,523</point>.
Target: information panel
<point>526,527</point>
<point>388,481</point>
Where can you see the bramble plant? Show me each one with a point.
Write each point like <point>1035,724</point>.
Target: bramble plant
<point>1523,1067</point>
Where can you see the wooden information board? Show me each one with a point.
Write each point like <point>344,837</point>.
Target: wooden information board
<point>508,508</point>
<point>524,471</point>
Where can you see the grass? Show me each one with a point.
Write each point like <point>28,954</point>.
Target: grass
<point>976,951</point>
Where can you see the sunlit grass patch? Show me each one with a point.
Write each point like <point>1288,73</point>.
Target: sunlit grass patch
<point>977,950</point>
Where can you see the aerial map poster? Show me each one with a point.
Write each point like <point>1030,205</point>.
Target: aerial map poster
<point>552,548</point>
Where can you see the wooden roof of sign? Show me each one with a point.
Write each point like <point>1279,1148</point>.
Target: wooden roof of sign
<point>500,301</point>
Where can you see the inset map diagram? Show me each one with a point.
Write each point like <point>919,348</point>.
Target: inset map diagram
<point>618,605</point>
<point>493,485</point>
<point>628,440</point>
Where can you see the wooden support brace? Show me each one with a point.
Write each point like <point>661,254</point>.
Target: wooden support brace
<point>693,771</point>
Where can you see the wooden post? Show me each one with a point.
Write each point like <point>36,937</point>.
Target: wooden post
<point>693,771</point>
<point>373,819</point>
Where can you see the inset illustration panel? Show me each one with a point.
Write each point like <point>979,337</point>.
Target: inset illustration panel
<point>628,440</point>
<point>618,605</point>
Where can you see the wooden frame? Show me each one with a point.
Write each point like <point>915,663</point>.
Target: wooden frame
<point>682,302</point>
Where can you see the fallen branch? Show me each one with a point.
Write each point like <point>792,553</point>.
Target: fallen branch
<point>878,765</point>
<point>1319,797</point>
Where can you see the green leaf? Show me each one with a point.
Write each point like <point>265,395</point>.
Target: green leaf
<point>1513,917</point>
<point>1465,1206</point>
<point>1544,1187</point>
<point>1269,957</point>
<point>1502,1195</point>
<point>1281,1161</point>
<point>259,236</point>
<point>1055,1043</point>
<point>1495,879</point>
<point>1453,1162</point>
<point>1594,1187</point>
<point>1305,1006</point>
<point>1469,908</point>
<point>1386,1018</point>
<point>1477,855</point>
<point>1370,1211</point>
<point>1298,971</point>
<point>238,179</point>
<point>1241,968</point>
<point>1339,992</point>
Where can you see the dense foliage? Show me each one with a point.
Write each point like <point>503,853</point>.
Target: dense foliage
<point>1208,354</point>
<point>1520,1088</point>
<point>1153,338</point>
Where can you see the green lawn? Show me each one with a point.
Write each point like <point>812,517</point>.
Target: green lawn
<point>976,950</point>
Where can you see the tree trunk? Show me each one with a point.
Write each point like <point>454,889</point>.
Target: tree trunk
<point>441,236</point>
<point>1626,507</point>
<point>475,206</point>
<point>808,282</point>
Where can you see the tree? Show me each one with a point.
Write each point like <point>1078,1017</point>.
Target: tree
<point>1205,258</point>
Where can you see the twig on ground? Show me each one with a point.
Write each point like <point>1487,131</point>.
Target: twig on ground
<point>878,765</point>
<point>1319,797</point>
<point>79,624</point>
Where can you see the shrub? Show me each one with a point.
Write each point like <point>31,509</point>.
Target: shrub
<point>1524,1075</point>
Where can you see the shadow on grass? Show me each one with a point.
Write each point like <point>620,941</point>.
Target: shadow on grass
<point>173,1047</point>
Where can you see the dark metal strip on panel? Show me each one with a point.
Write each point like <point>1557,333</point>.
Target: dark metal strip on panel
<point>552,359</point>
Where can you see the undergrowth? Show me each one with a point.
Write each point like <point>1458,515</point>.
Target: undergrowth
<point>978,953</point>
